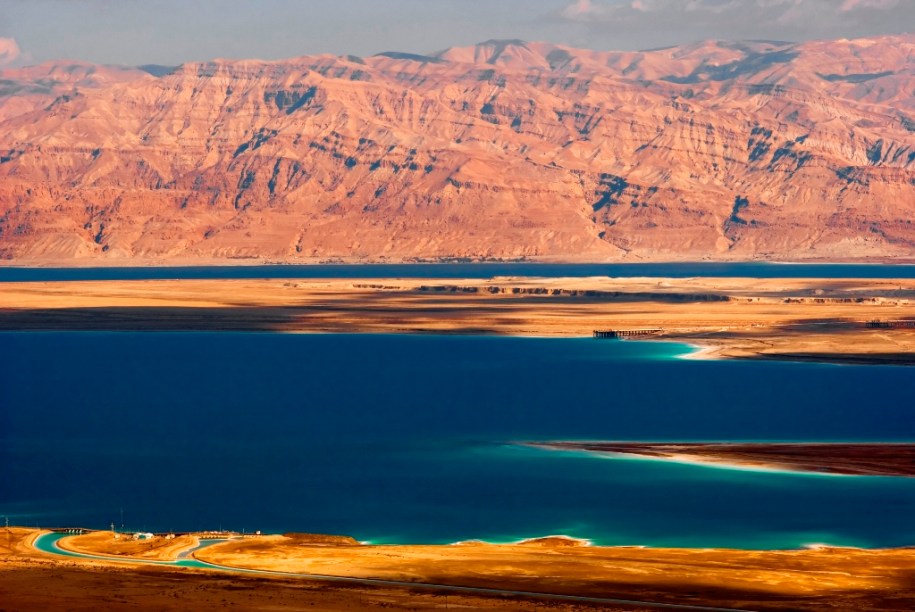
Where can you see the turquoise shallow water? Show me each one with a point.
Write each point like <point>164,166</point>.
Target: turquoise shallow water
<point>49,543</point>
<point>409,438</point>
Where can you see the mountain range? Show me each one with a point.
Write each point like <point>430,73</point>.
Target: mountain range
<point>503,150</point>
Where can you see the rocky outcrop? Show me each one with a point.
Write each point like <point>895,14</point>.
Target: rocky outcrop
<point>503,150</point>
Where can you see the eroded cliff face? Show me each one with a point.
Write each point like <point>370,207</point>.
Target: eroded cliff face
<point>503,150</point>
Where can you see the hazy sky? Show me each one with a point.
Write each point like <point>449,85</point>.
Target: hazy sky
<point>174,31</point>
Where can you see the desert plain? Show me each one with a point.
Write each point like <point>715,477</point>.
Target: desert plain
<point>830,320</point>
<point>339,573</point>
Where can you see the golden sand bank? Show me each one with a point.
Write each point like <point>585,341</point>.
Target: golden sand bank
<point>800,319</point>
<point>836,578</point>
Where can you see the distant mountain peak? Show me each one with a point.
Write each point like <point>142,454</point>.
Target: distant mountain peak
<point>504,149</point>
<point>412,57</point>
<point>157,70</point>
<point>502,43</point>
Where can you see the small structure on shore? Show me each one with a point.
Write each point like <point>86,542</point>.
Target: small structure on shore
<point>70,530</point>
<point>624,333</point>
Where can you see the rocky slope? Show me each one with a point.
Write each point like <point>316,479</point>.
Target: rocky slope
<point>503,150</point>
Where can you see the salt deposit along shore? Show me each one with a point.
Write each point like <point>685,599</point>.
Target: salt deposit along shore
<point>829,320</point>
<point>835,459</point>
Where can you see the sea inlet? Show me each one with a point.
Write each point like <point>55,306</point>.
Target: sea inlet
<point>413,439</point>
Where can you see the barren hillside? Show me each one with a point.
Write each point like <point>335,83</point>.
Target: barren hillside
<point>503,150</point>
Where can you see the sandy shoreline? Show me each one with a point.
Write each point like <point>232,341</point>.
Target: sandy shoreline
<point>318,261</point>
<point>808,579</point>
<point>788,319</point>
<point>819,458</point>
<point>701,352</point>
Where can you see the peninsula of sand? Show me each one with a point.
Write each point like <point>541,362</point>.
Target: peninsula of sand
<point>841,459</point>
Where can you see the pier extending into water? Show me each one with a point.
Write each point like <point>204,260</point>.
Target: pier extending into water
<point>624,333</point>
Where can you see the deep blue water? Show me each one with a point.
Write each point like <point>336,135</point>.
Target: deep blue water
<point>407,438</point>
<point>468,270</point>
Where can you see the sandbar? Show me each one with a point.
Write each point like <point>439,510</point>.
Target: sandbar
<point>845,459</point>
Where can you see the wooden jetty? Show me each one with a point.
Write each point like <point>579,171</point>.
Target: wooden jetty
<point>624,333</point>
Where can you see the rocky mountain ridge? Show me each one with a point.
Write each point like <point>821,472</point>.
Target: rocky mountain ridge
<point>506,149</point>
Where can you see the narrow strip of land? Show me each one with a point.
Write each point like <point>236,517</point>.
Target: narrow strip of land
<point>823,458</point>
<point>838,320</point>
